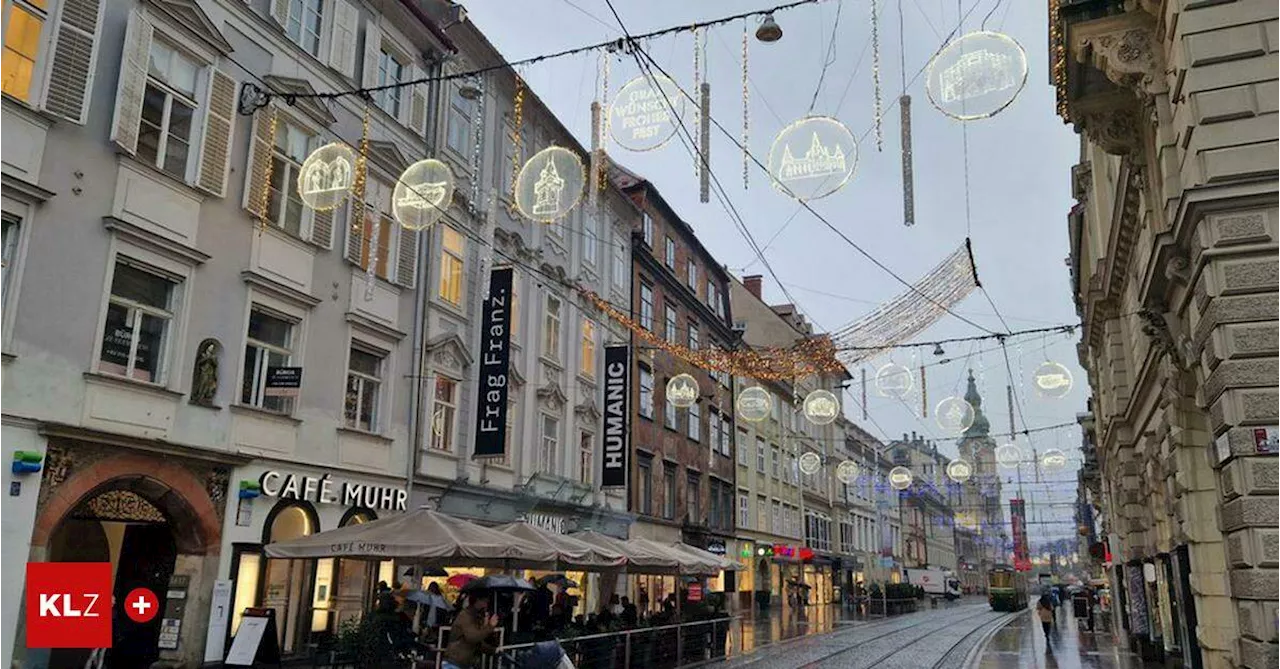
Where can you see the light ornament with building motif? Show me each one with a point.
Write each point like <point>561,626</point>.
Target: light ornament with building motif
<point>894,380</point>
<point>847,472</point>
<point>754,404</point>
<point>682,391</point>
<point>550,184</point>
<point>813,158</point>
<point>954,414</point>
<point>810,463</point>
<point>821,407</point>
<point>959,470</point>
<point>976,76</point>
<point>1008,455</point>
<point>422,194</point>
<point>1053,460</point>
<point>327,176</point>
<point>1052,380</point>
<point>900,478</point>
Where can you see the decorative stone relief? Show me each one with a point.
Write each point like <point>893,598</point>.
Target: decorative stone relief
<point>1125,49</point>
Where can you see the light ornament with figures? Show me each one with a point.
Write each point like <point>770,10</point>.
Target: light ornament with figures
<point>847,472</point>
<point>894,380</point>
<point>326,176</point>
<point>640,115</point>
<point>954,414</point>
<point>754,404</point>
<point>900,478</point>
<point>813,158</point>
<point>821,407</point>
<point>1008,456</point>
<point>977,76</point>
<point>1052,380</point>
<point>810,463</point>
<point>550,184</point>
<point>682,391</point>
<point>422,194</point>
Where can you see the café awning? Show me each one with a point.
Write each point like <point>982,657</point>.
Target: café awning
<point>571,552</point>
<point>720,562</point>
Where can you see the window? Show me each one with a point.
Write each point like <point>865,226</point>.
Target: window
<point>713,295</point>
<point>168,109</point>
<point>694,422</point>
<point>645,484</point>
<point>669,492</point>
<point>670,418</point>
<point>670,323</point>
<point>269,345</point>
<point>461,112</point>
<point>379,230</point>
<point>590,239</point>
<point>692,276</point>
<point>777,527</point>
<point>551,328</point>
<point>550,444</point>
<point>777,461</point>
<point>762,514</point>
<point>620,265</point>
<point>646,392</point>
<point>9,251</point>
<point>744,510</point>
<point>791,472</point>
<point>671,253</point>
<point>693,335</point>
<point>693,498</point>
<point>303,26</point>
<point>646,306</point>
<point>24,26</point>
<point>744,454</point>
<point>713,428</point>
<point>285,207</point>
<point>451,263</point>
<point>444,414</point>
<point>646,229</point>
<point>391,71</point>
<point>586,458</point>
<point>139,314</point>
<point>588,348</point>
<point>726,437</point>
<point>364,382</point>
<point>760,454</point>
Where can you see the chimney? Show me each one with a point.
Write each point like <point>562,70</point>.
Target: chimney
<point>753,285</point>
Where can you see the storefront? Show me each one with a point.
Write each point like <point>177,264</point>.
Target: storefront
<point>311,598</point>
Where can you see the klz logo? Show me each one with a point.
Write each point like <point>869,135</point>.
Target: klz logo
<point>68,605</point>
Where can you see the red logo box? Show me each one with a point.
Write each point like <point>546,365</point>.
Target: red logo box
<point>68,605</point>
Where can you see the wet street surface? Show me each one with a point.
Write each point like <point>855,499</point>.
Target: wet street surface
<point>1021,645</point>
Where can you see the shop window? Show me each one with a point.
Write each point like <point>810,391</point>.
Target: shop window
<point>269,345</point>
<point>364,387</point>
<point>444,414</point>
<point>139,316</point>
<point>285,582</point>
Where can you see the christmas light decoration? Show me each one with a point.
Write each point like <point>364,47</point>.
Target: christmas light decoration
<point>550,184</point>
<point>754,404</point>
<point>326,176</point>
<point>593,194</point>
<point>422,194</point>
<point>908,169</point>
<point>1052,380</point>
<point>1053,460</point>
<point>267,168</point>
<point>810,463</point>
<point>640,118</point>
<point>813,158</point>
<point>821,407</point>
<point>517,129</point>
<point>682,391</point>
<point>959,470</point>
<point>878,107</point>
<point>704,154</point>
<point>893,380</point>
<point>847,472</point>
<point>746,109</point>
<point>900,478</point>
<point>977,75</point>
<point>954,414</point>
<point>477,133</point>
<point>1008,455</point>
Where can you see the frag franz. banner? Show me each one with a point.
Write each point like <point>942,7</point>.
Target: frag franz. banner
<point>617,392</point>
<point>495,360</point>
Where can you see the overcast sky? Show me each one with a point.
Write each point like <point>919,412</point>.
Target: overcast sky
<point>1019,185</point>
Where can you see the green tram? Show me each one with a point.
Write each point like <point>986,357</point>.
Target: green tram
<point>1006,589</point>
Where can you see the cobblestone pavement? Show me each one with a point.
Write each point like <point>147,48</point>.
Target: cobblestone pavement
<point>937,639</point>
<point>1021,645</point>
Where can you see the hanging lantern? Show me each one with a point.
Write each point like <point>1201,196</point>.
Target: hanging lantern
<point>821,407</point>
<point>754,404</point>
<point>326,176</point>
<point>682,391</point>
<point>422,194</point>
<point>769,30</point>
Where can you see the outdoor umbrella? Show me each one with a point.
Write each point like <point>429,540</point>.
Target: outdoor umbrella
<point>428,599</point>
<point>571,552</point>
<point>559,579</point>
<point>641,558</point>
<point>723,563</point>
<point>498,582</point>
<point>461,580</point>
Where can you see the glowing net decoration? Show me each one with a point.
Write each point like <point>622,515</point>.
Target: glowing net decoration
<point>900,478</point>
<point>977,76</point>
<point>1008,455</point>
<point>641,115</point>
<point>1052,380</point>
<point>954,414</point>
<point>821,407</point>
<point>894,380</point>
<point>326,176</point>
<point>682,391</point>
<point>959,470</point>
<point>813,158</point>
<point>1053,460</point>
<point>810,463</point>
<point>422,194</point>
<point>847,472</point>
<point>550,184</point>
<point>754,404</point>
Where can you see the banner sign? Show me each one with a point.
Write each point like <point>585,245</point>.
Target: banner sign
<point>1018,520</point>
<point>283,382</point>
<point>617,393</point>
<point>495,361</point>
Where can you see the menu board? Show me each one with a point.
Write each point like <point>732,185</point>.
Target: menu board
<point>1138,618</point>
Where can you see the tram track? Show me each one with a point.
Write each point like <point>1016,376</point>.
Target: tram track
<point>939,625</point>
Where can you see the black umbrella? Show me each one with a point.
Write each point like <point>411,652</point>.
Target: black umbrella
<point>798,584</point>
<point>497,582</point>
<point>559,579</point>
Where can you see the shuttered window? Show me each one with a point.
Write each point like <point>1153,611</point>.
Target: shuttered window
<point>168,109</point>
<point>452,261</point>
<point>285,208</point>
<point>71,72</point>
<point>303,24</point>
<point>392,249</point>
<point>391,71</point>
<point>24,29</point>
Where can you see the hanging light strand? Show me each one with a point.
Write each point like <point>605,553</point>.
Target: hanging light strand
<point>264,200</point>
<point>875,72</point>
<point>746,109</point>
<point>517,132</point>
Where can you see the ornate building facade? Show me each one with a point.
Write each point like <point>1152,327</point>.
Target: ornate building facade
<point>1173,259</point>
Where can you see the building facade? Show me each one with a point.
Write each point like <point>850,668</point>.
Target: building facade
<point>980,528</point>
<point>871,531</point>
<point>1173,261</point>
<point>928,514</point>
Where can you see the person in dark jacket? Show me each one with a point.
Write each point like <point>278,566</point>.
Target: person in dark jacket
<point>630,616</point>
<point>471,634</point>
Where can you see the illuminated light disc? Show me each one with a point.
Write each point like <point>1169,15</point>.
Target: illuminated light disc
<point>326,176</point>
<point>422,194</point>
<point>1008,455</point>
<point>954,414</point>
<point>813,158</point>
<point>810,463</point>
<point>959,470</point>
<point>550,184</point>
<point>894,380</point>
<point>682,391</point>
<point>1052,380</point>
<point>640,117</point>
<point>754,404</point>
<point>821,407</point>
<point>847,471</point>
<point>977,76</point>
<point>900,478</point>
<point>1053,460</point>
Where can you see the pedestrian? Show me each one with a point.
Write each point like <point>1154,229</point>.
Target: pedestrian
<point>1045,610</point>
<point>470,636</point>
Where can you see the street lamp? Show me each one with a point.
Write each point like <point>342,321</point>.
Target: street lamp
<point>769,30</point>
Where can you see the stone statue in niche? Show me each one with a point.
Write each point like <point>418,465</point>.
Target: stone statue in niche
<point>204,382</point>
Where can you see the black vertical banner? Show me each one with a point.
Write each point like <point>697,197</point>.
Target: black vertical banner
<point>495,361</point>
<point>617,394</point>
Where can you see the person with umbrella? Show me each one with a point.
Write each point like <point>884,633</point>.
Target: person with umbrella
<point>471,636</point>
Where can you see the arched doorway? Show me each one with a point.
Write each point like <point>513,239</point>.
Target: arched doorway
<point>287,583</point>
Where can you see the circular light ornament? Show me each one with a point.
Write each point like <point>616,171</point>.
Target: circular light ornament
<point>813,158</point>
<point>754,404</point>
<point>682,391</point>
<point>954,414</point>
<point>977,76</point>
<point>847,471</point>
<point>550,184</point>
<point>1052,380</point>
<point>810,463</point>
<point>959,470</point>
<point>422,194</point>
<point>1008,455</point>
<point>894,380</point>
<point>900,478</point>
<point>821,407</point>
<point>640,116</point>
<point>326,176</point>
<point>1053,459</point>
